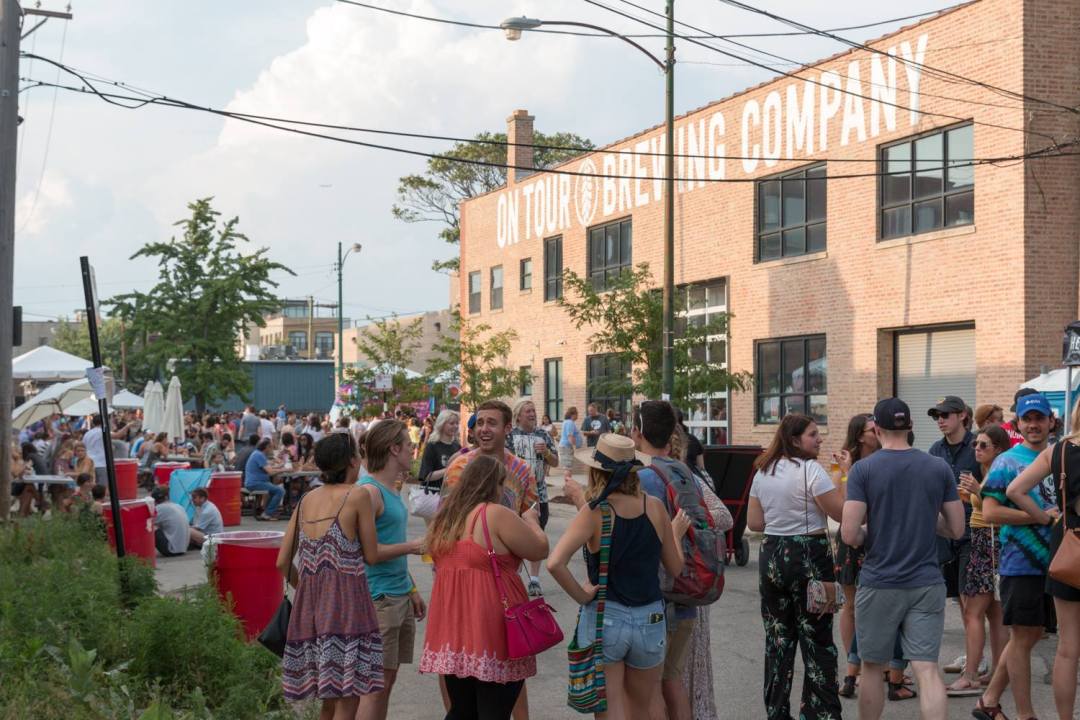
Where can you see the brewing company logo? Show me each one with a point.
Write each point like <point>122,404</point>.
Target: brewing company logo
<point>585,192</point>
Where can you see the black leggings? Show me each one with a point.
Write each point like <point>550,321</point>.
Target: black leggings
<point>472,699</point>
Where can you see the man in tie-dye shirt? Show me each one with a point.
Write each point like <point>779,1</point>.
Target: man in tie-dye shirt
<point>1025,556</point>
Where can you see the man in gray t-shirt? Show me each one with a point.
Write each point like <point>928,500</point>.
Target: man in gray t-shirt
<point>249,423</point>
<point>207,517</point>
<point>906,498</point>
<point>171,535</point>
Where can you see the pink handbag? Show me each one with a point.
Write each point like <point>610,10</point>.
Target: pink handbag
<point>530,627</point>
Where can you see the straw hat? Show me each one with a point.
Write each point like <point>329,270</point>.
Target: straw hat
<point>617,447</point>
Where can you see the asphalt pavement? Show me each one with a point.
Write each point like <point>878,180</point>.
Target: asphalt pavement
<point>737,644</point>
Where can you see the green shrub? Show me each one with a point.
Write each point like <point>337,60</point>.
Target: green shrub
<point>71,648</point>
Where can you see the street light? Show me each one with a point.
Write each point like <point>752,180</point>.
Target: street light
<point>513,27</point>
<point>356,247</point>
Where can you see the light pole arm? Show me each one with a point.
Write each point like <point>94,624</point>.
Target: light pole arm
<point>659,63</point>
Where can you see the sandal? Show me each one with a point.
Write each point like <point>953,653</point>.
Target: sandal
<point>899,691</point>
<point>963,687</point>
<point>848,688</point>
<point>983,711</point>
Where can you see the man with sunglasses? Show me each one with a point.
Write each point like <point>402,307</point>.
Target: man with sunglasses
<point>956,447</point>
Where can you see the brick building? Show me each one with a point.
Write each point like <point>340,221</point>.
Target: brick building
<point>920,276</point>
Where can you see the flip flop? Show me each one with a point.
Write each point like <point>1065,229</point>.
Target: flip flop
<point>897,692</point>
<point>988,712</point>
<point>962,687</point>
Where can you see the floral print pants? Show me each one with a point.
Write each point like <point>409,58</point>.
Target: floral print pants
<point>786,564</point>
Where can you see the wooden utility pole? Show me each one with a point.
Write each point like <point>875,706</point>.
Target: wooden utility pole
<point>10,35</point>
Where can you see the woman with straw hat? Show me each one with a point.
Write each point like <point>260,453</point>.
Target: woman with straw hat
<point>642,538</point>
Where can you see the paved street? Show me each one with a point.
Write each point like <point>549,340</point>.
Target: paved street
<point>736,638</point>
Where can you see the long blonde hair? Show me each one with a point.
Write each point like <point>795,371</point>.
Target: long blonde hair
<point>1074,436</point>
<point>481,482</point>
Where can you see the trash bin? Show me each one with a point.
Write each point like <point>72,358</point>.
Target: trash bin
<point>137,519</point>
<point>224,491</point>
<point>163,471</point>
<point>243,567</point>
<point>127,478</point>
<point>731,468</point>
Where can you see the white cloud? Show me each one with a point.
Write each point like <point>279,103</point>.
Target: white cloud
<point>35,207</point>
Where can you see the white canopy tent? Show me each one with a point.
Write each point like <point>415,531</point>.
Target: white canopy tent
<point>123,400</point>
<point>48,363</point>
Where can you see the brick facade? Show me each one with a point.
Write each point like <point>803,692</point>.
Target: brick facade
<point>1013,273</point>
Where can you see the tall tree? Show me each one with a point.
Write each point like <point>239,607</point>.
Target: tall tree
<point>207,291</point>
<point>434,195</point>
<point>388,344</point>
<point>477,359</point>
<point>72,337</point>
<point>627,321</point>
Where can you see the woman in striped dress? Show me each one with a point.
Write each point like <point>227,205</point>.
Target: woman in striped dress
<point>333,649</point>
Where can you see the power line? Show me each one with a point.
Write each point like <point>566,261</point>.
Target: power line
<point>796,76</point>
<point>942,74</point>
<point>165,100</point>
<point>1053,150</point>
<point>579,33</point>
<point>48,140</point>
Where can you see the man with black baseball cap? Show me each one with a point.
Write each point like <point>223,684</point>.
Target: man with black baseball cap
<point>956,447</point>
<point>910,498</point>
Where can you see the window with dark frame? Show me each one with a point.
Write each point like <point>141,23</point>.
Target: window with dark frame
<point>790,376</point>
<point>791,210</point>
<point>927,182</point>
<point>324,342</point>
<point>609,252</point>
<point>553,390</point>
<point>298,339</point>
<point>495,299</point>
<point>474,292</point>
<point>525,274</point>
<point>526,388</point>
<point>600,371</point>
<point>553,268</point>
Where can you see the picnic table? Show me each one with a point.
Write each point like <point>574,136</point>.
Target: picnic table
<point>195,460</point>
<point>49,480</point>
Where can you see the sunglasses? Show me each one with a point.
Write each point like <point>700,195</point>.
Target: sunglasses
<point>941,414</point>
<point>982,445</point>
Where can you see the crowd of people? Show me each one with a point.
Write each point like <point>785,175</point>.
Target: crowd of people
<point>977,518</point>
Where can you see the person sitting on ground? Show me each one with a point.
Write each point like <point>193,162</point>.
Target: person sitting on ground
<point>171,536</point>
<point>84,484</point>
<point>207,518</point>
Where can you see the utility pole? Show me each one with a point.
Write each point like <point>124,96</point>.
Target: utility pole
<point>10,36</point>
<point>340,324</point>
<point>9,124</point>
<point>668,377</point>
<point>310,326</point>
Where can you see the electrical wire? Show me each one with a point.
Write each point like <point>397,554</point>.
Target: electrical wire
<point>579,33</point>
<point>48,138</point>
<point>1054,150</point>
<point>843,90</point>
<point>163,99</point>
<point>937,72</point>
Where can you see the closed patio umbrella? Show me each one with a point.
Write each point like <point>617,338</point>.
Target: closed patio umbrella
<point>173,420</point>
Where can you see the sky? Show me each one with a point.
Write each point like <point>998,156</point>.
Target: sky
<point>98,180</point>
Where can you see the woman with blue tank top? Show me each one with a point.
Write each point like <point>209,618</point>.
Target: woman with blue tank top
<point>642,538</point>
<point>388,451</point>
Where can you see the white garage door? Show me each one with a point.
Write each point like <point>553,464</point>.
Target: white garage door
<point>929,366</point>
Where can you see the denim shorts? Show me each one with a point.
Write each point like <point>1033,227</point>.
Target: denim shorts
<point>636,636</point>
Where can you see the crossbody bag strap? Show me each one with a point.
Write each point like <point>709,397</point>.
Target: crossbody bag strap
<point>1064,489</point>
<point>605,554</point>
<point>491,556</point>
<point>295,544</point>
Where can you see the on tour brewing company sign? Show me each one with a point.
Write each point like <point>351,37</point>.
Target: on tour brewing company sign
<point>868,97</point>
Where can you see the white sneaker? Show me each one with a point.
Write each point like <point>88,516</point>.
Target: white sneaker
<point>956,665</point>
<point>984,667</point>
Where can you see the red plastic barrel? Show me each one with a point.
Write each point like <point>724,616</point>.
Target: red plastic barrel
<point>127,478</point>
<point>164,470</point>
<point>246,575</point>
<point>137,519</point>
<point>224,491</point>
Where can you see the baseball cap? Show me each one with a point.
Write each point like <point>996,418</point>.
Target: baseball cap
<point>892,414</point>
<point>1034,402</point>
<point>472,421</point>
<point>947,404</point>
<point>1021,393</point>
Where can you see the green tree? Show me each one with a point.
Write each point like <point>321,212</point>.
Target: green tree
<point>435,194</point>
<point>73,338</point>
<point>207,291</point>
<point>388,345</point>
<point>477,359</point>
<point>627,320</point>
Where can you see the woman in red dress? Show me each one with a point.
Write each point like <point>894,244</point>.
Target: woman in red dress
<point>465,640</point>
